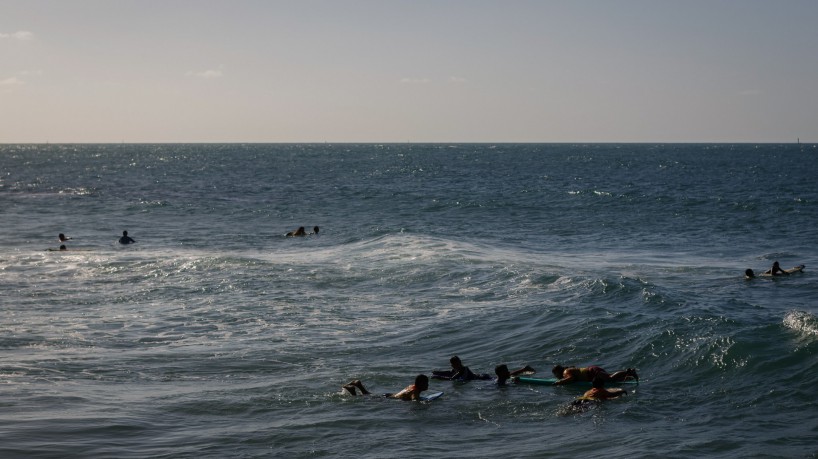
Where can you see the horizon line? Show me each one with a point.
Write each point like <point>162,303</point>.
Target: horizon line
<point>641,142</point>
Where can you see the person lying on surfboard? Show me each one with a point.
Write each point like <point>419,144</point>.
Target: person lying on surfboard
<point>598,391</point>
<point>567,375</point>
<point>776,270</point>
<point>504,375</point>
<point>299,232</point>
<point>458,372</point>
<point>411,392</point>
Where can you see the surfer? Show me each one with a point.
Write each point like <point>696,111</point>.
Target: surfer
<point>598,391</point>
<point>504,375</point>
<point>62,237</point>
<point>573,374</point>
<point>299,232</point>
<point>597,394</point>
<point>411,392</point>
<point>314,231</point>
<point>776,270</point>
<point>458,372</point>
<point>125,239</point>
<point>749,274</point>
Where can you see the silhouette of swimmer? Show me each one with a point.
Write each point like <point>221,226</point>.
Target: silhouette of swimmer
<point>125,239</point>
<point>314,230</point>
<point>299,232</point>
<point>62,237</point>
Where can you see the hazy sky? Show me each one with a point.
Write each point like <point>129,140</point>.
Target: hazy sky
<point>413,70</point>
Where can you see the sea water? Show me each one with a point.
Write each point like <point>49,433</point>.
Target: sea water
<point>217,336</point>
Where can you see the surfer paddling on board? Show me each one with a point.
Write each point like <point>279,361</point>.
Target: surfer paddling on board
<point>776,270</point>
<point>597,394</point>
<point>299,232</point>
<point>598,391</point>
<point>504,375</point>
<point>412,392</point>
<point>573,374</point>
<point>125,239</point>
<point>458,372</point>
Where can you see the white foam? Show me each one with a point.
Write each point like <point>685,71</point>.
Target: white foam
<point>802,322</point>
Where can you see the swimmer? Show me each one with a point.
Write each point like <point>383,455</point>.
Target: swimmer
<point>504,375</point>
<point>458,372</point>
<point>574,374</point>
<point>749,274</point>
<point>299,232</point>
<point>597,394</point>
<point>776,270</point>
<point>62,237</point>
<point>314,231</point>
<point>354,385</point>
<point>411,392</point>
<point>598,391</point>
<point>125,239</point>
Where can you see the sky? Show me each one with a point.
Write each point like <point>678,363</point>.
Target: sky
<point>75,71</point>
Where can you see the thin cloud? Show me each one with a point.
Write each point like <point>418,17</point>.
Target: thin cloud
<point>22,35</point>
<point>207,74</point>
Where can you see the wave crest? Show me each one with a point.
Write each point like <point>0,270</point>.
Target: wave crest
<point>802,322</point>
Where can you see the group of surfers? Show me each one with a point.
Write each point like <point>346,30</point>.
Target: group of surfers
<point>564,375</point>
<point>301,231</point>
<point>124,239</point>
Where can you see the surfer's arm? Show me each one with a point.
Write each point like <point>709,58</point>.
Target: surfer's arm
<point>616,392</point>
<point>526,369</point>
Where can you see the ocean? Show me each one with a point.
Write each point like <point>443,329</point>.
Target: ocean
<point>214,335</point>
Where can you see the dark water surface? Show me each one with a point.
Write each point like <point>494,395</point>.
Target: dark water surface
<point>216,336</point>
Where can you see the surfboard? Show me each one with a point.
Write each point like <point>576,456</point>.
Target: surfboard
<point>430,397</point>
<point>551,381</point>
<point>793,270</point>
